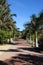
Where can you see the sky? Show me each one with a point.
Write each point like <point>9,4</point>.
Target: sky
<point>24,9</point>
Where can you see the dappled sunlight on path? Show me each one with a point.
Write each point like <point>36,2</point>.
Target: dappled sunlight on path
<point>4,47</point>
<point>20,53</point>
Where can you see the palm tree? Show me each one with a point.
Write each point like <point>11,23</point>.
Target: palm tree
<point>35,27</point>
<point>6,17</point>
<point>37,24</point>
<point>28,31</point>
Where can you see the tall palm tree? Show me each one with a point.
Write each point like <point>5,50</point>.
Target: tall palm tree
<point>35,27</point>
<point>28,30</point>
<point>6,17</point>
<point>37,24</point>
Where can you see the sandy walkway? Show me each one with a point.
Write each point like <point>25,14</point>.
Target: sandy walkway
<point>21,53</point>
<point>4,47</point>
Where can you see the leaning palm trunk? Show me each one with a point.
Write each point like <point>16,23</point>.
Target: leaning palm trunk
<point>36,40</point>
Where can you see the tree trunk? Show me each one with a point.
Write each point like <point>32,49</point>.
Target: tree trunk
<point>36,40</point>
<point>30,38</point>
<point>33,41</point>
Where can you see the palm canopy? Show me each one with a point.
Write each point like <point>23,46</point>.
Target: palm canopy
<point>6,20</point>
<point>5,16</point>
<point>34,26</point>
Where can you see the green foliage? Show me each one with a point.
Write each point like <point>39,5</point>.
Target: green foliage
<point>7,27</point>
<point>40,41</point>
<point>4,35</point>
<point>35,25</point>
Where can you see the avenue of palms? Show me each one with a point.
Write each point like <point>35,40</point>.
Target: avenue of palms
<point>34,29</point>
<point>20,47</point>
<point>8,29</point>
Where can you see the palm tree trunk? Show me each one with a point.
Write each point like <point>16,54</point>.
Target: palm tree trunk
<point>33,41</point>
<point>30,38</point>
<point>36,40</point>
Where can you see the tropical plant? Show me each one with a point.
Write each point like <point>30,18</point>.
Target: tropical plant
<point>6,20</point>
<point>34,27</point>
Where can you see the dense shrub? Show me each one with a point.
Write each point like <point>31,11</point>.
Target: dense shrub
<point>4,35</point>
<point>40,41</point>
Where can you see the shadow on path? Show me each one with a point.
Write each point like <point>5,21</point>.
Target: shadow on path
<point>13,43</point>
<point>3,63</point>
<point>11,50</point>
<point>29,59</point>
<point>32,49</point>
<point>22,58</point>
<point>25,59</point>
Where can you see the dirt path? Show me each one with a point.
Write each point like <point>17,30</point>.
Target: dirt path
<point>21,53</point>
